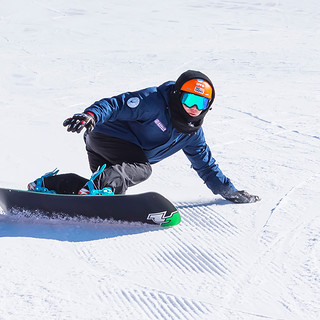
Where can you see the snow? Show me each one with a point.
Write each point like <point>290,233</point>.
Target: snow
<point>224,261</point>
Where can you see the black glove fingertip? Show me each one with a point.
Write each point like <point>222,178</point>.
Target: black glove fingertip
<point>79,129</point>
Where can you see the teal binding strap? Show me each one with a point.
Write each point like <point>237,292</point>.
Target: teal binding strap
<point>40,182</point>
<point>91,186</point>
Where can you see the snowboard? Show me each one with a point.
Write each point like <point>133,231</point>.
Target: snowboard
<point>150,207</point>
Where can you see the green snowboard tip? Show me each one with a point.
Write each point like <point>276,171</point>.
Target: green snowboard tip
<point>172,221</point>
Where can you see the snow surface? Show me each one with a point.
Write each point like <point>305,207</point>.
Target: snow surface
<point>224,261</point>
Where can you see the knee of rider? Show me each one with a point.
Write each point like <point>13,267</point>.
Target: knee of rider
<point>148,170</point>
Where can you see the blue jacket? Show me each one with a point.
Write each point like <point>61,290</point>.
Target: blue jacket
<point>143,117</point>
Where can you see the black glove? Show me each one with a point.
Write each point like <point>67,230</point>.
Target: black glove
<point>80,121</point>
<point>241,197</point>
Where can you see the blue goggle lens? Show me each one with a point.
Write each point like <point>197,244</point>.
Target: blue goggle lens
<point>190,99</point>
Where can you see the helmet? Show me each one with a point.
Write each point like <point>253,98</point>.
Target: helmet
<point>199,87</point>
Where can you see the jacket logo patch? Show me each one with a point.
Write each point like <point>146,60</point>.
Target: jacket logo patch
<point>160,125</point>
<point>133,102</point>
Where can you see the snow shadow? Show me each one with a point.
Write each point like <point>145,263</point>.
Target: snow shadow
<point>218,202</point>
<point>68,230</point>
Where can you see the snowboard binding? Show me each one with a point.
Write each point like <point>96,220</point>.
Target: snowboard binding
<point>38,185</point>
<point>90,188</point>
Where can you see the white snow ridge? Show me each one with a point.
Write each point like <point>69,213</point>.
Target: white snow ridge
<point>224,261</point>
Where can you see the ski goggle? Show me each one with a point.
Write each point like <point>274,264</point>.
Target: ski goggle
<point>190,99</point>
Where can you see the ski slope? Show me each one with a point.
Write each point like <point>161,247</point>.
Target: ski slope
<point>224,261</point>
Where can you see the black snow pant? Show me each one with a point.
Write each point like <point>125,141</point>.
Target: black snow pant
<point>127,165</point>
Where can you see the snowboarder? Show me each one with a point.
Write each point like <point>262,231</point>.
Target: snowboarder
<point>134,130</point>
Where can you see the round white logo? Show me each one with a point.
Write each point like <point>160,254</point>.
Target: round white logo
<point>133,102</point>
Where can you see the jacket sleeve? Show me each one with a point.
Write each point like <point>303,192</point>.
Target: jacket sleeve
<point>199,154</point>
<point>129,106</point>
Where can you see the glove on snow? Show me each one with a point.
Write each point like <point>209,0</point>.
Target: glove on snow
<point>80,121</point>
<point>242,197</point>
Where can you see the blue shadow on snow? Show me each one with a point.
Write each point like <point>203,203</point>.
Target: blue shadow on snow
<point>68,230</point>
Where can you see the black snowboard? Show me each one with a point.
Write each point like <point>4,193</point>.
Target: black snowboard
<point>148,207</point>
